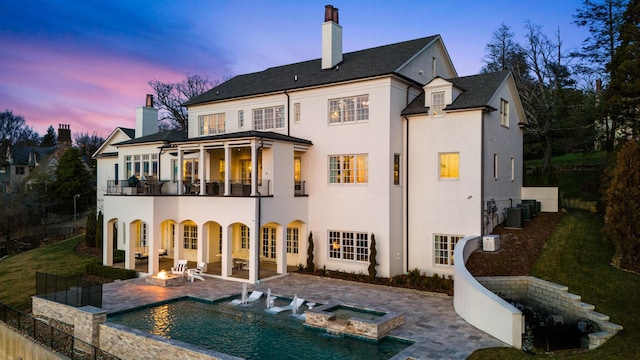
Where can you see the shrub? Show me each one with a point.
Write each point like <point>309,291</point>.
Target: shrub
<point>373,254</point>
<point>118,256</point>
<point>311,267</point>
<point>109,272</point>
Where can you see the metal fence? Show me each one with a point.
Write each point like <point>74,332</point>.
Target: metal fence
<point>67,290</point>
<point>48,336</point>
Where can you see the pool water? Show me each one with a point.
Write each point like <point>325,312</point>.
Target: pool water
<point>348,312</point>
<point>249,332</point>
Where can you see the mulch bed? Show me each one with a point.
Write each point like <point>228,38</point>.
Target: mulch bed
<point>519,248</point>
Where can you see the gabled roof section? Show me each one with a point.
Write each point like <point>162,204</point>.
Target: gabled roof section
<point>129,133</point>
<point>378,61</point>
<point>477,91</point>
<point>163,136</point>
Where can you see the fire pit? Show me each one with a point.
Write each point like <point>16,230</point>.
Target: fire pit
<point>162,279</point>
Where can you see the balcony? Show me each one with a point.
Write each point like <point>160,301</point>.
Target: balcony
<point>237,188</point>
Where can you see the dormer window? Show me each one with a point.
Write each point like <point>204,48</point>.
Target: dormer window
<point>437,103</point>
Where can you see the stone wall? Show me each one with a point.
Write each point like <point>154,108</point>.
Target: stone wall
<point>14,345</point>
<point>127,343</point>
<point>553,299</point>
<point>85,319</point>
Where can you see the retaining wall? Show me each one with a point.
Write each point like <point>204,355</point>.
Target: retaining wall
<point>479,306</point>
<point>553,299</point>
<point>14,345</point>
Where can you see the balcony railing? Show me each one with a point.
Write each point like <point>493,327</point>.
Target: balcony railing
<point>169,188</point>
<point>299,188</point>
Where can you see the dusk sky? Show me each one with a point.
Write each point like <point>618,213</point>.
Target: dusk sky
<point>87,63</point>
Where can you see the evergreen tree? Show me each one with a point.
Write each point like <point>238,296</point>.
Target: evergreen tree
<point>50,138</point>
<point>311,266</point>
<point>373,255</point>
<point>622,220</point>
<point>90,230</point>
<point>99,225</point>
<point>72,178</point>
<point>623,94</point>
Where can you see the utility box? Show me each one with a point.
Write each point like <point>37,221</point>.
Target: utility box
<point>491,242</point>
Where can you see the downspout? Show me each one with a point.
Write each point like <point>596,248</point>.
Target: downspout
<point>406,181</point>
<point>482,151</point>
<point>259,217</point>
<point>288,113</point>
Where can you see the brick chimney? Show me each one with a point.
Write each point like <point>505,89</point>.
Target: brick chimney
<point>146,118</point>
<point>64,134</point>
<point>331,38</point>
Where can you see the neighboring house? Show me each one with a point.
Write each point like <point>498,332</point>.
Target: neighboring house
<point>26,164</point>
<point>387,141</point>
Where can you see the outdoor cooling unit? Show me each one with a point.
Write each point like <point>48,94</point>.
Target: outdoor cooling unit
<point>491,243</point>
<point>514,217</point>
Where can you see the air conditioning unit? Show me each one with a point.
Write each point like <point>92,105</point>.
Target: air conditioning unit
<point>491,243</point>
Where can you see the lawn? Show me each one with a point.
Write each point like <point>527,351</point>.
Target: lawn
<point>18,272</point>
<point>577,256</point>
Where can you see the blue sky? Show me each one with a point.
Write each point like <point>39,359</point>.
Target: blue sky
<point>87,63</point>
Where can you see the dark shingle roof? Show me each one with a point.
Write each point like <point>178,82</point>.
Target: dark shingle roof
<point>168,136</point>
<point>21,154</point>
<point>129,132</point>
<point>250,133</point>
<point>383,60</point>
<point>477,90</point>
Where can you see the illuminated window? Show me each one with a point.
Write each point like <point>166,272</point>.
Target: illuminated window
<point>293,240</point>
<point>449,165</point>
<point>348,169</point>
<point>396,169</point>
<point>349,109</point>
<point>244,237</point>
<point>270,118</point>
<point>190,237</point>
<point>348,245</point>
<point>211,124</point>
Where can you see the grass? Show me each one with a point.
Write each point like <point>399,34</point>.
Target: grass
<point>18,272</point>
<point>581,159</point>
<point>577,256</point>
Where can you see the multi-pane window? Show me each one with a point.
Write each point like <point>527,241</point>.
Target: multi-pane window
<point>190,237</point>
<point>270,118</point>
<point>172,234</point>
<point>244,237</point>
<point>19,170</point>
<point>349,109</point>
<point>396,169</point>
<point>293,240</point>
<point>269,242</point>
<point>296,113</point>
<point>504,112</point>
<point>220,239</point>
<point>348,169</point>
<point>211,124</point>
<point>240,119</point>
<point>141,165</point>
<point>348,245</point>
<point>142,234</point>
<point>437,103</point>
<point>443,248</point>
<point>362,247</point>
<point>449,165</point>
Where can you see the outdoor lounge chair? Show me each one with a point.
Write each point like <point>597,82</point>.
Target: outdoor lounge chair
<point>255,295</point>
<point>195,273</point>
<point>279,309</point>
<point>180,268</point>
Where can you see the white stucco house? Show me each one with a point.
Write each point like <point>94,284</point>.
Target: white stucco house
<point>386,141</point>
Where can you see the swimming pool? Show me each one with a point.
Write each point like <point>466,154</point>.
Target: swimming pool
<point>249,332</point>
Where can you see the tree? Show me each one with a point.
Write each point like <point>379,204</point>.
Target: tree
<point>72,178</point>
<point>622,96</point>
<point>50,138</point>
<point>90,229</point>
<point>603,20</point>
<point>169,98</point>
<point>14,131</point>
<point>311,266</point>
<point>544,98</point>
<point>88,145</point>
<point>622,220</point>
<point>373,255</point>
<point>99,225</point>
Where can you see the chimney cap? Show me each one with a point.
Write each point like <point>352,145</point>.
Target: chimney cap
<point>330,14</point>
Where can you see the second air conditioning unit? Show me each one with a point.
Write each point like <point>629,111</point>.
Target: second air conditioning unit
<point>491,243</point>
